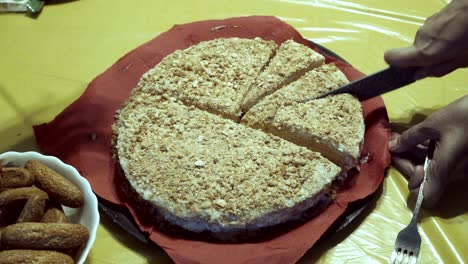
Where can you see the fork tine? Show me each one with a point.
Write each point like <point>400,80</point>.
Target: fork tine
<point>414,259</point>
<point>394,256</point>
<point>400,256</point>
<point>406,257</point>
<point>410,258</point>
<point>398,253</point>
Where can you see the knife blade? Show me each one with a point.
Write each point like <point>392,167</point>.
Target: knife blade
<point>375,84</point>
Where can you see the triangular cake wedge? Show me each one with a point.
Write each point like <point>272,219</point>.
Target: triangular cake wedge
<point>312,83</point>
<point>291,61</point>
<point>207,173</point>
<point>212,75</point>
<point>333,125</point>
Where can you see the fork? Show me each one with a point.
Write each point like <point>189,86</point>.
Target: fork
<point>408,241</point>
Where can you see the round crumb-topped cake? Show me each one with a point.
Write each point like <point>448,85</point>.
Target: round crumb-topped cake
<point>185,149</point>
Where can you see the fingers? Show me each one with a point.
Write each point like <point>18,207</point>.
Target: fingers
<point>412,137</point>
<point>434,187</point>
<point>439,171</point>
<point>404,166</point>
<point>413,172</point>
<point>417,178</point>
<point>436,178</point>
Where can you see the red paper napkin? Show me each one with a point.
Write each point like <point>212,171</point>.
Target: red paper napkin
<point>81,136</point>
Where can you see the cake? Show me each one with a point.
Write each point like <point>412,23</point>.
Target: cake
<point>333,125</point>
<point>189,159</point>
<point>290,62</point>
<point>213,75</point>
<point>328,125</point>
<point>204,172</point>
<point>312,83</point>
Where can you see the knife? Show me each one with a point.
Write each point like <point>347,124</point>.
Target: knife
<point>375,84</point>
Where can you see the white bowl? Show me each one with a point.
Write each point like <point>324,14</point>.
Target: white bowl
<point>88,215</point>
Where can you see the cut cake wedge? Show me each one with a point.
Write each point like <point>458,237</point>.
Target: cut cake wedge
<point>333,125</point>
<point>291,61</point>
<point>213,75</point>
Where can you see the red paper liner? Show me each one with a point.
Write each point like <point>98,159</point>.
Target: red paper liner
<point>81,136</point>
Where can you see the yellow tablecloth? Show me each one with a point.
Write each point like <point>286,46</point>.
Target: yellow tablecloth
<point>47,62</point>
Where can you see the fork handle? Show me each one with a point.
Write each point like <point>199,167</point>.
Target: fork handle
<point>417,207</point>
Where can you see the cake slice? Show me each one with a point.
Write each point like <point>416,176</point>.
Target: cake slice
<point>312,83</point>
<point>291,61</point>
<point>207,173</point>
<point>333,125</point>
<point>212,75</point>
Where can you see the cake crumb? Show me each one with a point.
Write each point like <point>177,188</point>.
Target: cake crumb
<point>220,202</point>
<point>200,139</point>
<point>199,163</point>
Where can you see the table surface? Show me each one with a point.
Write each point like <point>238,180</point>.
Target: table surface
<point>47,62</point>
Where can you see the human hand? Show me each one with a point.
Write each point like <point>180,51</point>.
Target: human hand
<point>440,44</point>
<point>448,127</point>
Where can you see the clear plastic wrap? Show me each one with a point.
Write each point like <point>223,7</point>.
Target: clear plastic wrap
<point>47,68</point>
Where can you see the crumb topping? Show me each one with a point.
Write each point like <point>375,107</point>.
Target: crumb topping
<point>291,61</point>
<point>312,83</point>
<point>202,166</point>
<point>336,119</point>
<point>180,149</point>
<point>213,75</point>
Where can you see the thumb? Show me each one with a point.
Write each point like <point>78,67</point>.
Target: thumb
<point>412,56</point>
<point>403,57</point>
<point>417,178</point>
